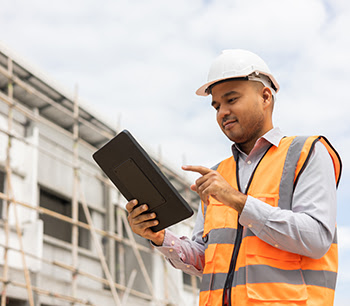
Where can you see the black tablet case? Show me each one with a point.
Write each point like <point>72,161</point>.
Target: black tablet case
<point>136,176</point>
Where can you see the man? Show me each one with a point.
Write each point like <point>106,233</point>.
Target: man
<point>265,233</point>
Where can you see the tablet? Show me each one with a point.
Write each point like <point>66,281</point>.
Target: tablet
<point>136,176</point>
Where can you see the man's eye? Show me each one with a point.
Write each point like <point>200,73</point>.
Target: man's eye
<point>231,100</point>
<point>216,106</point>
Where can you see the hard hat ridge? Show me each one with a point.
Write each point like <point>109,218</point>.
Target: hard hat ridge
<point>235,64</point>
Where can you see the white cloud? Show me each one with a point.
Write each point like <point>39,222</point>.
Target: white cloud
<point>144,60</point>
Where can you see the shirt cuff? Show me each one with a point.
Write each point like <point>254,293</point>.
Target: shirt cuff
<point>171,246</point>
<point>255,214</point>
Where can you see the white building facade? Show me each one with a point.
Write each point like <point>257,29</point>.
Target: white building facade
<point>64,237</point>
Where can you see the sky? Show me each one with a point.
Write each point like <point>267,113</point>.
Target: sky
<point>137,64</point>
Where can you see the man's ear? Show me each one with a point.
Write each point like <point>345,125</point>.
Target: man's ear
<point>267,96</point>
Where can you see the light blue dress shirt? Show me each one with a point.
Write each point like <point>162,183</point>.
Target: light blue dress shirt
<point>308,229</point>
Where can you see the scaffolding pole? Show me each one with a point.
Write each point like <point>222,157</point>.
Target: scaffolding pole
<point>75,203</point>
<point>59,216</point>
<point>49,293</point>
<point>58,158</point>
<point>8,174</point>
<point>38,94</point>
<point>93,277</point>
<point>9,190</point>
<point>25,268</point>
<point>121,249</point>
<point>137,254</point>
<point>99,248</point>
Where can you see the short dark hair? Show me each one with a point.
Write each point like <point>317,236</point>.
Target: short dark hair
<point>208,90</point>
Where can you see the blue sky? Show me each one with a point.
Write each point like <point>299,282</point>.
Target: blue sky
<point>137,64</point>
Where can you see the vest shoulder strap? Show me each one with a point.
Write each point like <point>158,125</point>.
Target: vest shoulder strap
<point>307,152</point>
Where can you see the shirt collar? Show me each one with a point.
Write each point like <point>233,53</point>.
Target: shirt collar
<point>272,137</point>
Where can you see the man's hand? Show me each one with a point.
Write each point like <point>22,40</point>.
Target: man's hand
<point>211,183</point>
<point>141,223</point>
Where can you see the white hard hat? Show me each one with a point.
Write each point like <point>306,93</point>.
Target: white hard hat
<point>238,63</point>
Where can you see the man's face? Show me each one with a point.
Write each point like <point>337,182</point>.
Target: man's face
<point>239,107</point>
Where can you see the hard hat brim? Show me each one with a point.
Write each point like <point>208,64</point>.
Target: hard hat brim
<point>202,91</point>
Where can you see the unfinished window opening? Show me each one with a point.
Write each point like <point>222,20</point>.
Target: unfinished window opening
<point>52,226</point>
<point>60,229</point>
<point>15,302</point>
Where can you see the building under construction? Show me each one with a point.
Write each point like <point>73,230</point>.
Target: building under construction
<point>64,235</point>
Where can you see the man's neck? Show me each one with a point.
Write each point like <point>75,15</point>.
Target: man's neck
<point>248,146</point>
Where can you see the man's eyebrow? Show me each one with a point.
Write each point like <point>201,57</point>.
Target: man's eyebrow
<point>232,92</point>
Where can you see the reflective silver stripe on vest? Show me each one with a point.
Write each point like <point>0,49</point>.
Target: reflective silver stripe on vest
<point>321,278</point>
<point>288,174</point>
<point>213,281</point>
<point>266,274</point>
<point>221,236</point>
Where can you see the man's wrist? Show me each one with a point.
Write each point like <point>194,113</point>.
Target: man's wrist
<point>239,202</point>
<point>158,241</point>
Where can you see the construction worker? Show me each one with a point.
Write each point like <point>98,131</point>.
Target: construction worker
<point>265,233</point>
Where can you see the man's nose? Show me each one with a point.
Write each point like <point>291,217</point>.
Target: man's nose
<point>223,111</point>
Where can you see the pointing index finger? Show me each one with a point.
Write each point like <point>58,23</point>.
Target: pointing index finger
<point>200,169</point>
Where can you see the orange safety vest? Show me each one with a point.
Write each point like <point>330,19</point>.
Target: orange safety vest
<point>259,273</point>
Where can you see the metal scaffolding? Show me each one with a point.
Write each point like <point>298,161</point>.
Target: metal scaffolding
<point>35,99</point>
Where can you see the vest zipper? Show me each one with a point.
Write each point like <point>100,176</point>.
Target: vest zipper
<point>238,240</point>
<point>229,279</point>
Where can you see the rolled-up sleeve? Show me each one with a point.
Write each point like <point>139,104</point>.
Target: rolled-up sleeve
<point>308,229</point>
